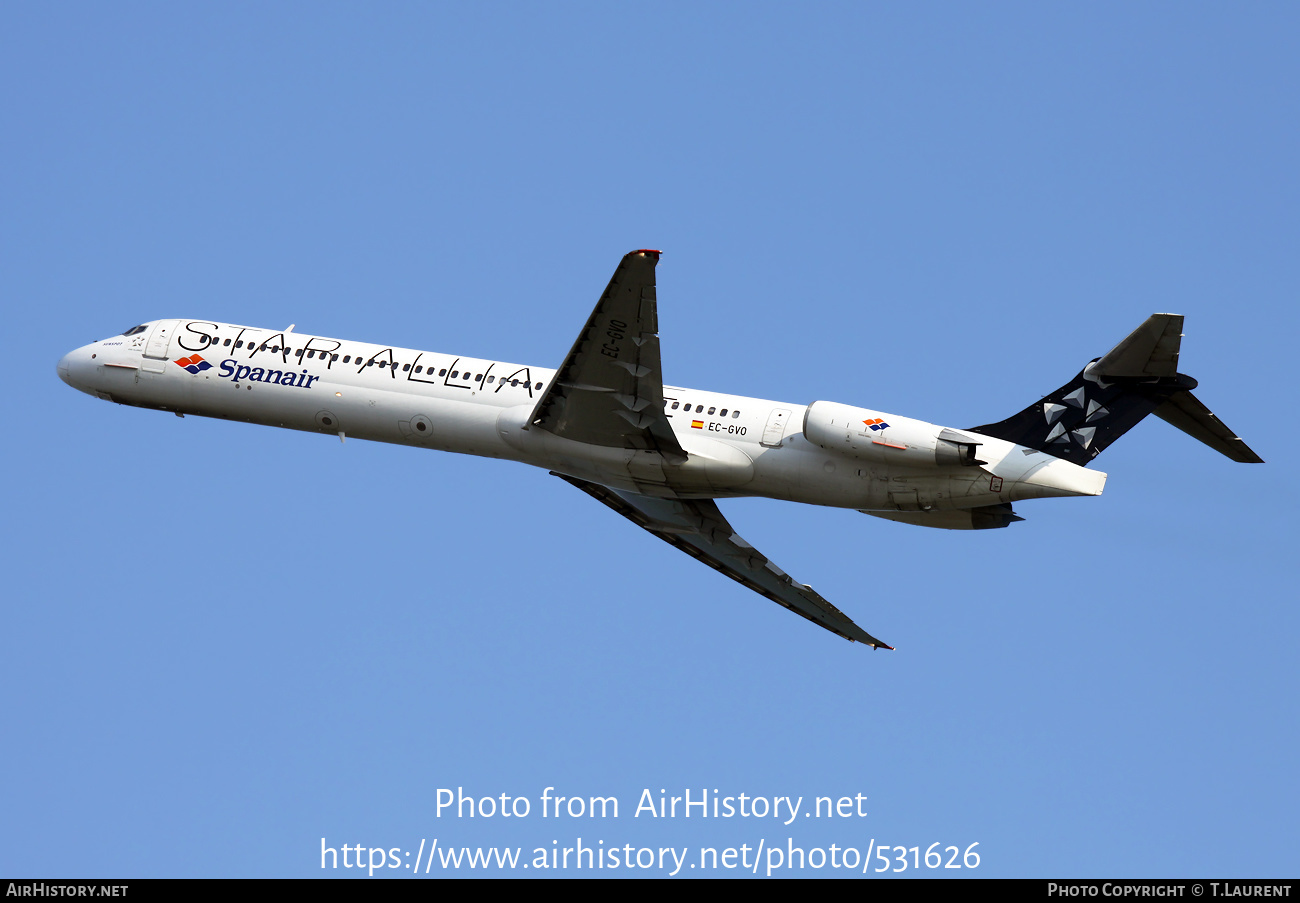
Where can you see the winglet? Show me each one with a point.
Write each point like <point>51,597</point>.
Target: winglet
<point>650,253</point>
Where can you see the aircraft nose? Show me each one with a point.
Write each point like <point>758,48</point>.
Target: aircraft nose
<point>72,367</point>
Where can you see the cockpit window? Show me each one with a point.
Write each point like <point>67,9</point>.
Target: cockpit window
<point>135,330</point>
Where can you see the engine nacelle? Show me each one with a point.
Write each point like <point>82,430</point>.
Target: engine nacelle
<point>886,438</point>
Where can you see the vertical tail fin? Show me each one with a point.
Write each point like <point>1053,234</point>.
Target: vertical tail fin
<point>1137,377</point>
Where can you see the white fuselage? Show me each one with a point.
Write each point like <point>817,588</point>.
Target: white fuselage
<point>822,454</point>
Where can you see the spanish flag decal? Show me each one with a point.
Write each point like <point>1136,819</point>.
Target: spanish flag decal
<point>697,424</point>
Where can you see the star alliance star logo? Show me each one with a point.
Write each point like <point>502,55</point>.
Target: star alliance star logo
<point>1092,413</point>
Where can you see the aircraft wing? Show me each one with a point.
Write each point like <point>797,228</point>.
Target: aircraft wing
<point>698,528</point>
<point>609,391</point>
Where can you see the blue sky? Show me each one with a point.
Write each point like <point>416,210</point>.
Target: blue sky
<point>225,642</point>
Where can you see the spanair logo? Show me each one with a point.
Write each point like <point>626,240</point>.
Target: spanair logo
<point>234,370</point>
<point>193,363</point>
<point>876,425</point>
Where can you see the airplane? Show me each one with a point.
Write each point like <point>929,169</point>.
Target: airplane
<point>657,454</point>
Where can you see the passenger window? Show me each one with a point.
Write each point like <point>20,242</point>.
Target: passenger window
<point>722,413</point>
<point>514,382</point>
<point>239,344</point>
<point>735,414</point>
<point>675,404</point>
<point>491,379</point>
<point>347,358</point>
<point>442,372</point>
<point>711,410</point>
<point>538,386</point>
<point>405,367</point>
<point>699,409</point>
<point>227,343</point>
<point>334,358</point>
<point>453,373</point>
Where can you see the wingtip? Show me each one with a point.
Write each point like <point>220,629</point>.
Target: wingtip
<point>648,252</point>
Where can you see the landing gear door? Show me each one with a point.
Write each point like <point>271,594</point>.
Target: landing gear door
<point>775,429</point>
<point>155,349</point>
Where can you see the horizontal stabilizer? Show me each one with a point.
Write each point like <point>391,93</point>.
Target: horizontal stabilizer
<point>1183,410</point>
<point>1149,352</point>
<point>986,517</point>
